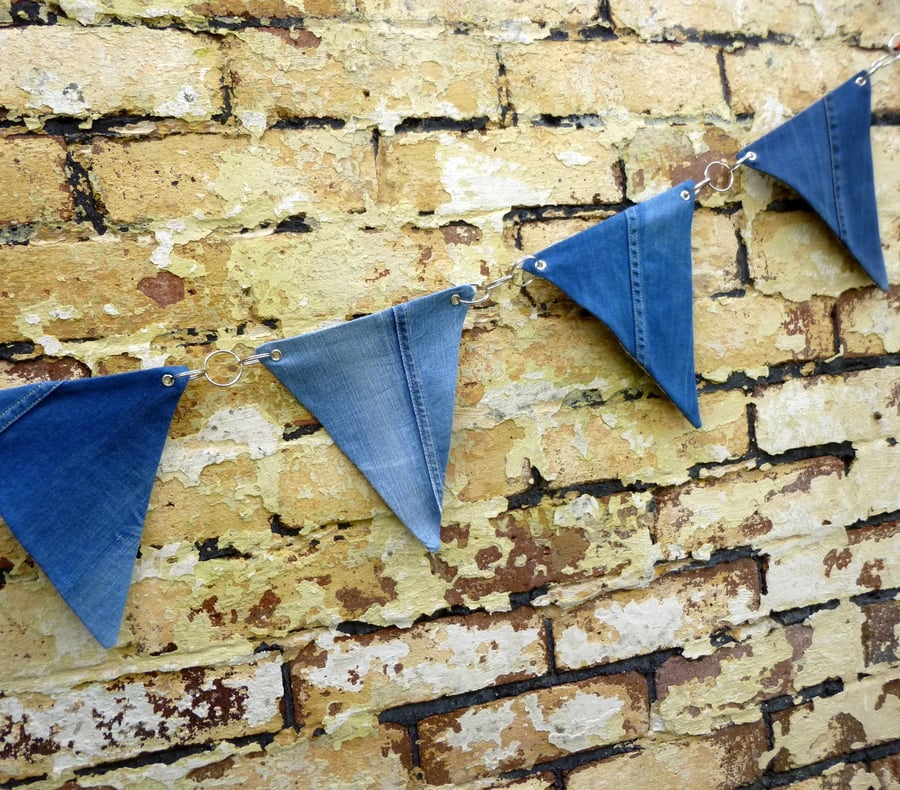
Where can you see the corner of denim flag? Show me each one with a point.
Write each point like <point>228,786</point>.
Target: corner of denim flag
<point>78,460</point>
<point>824,153</point>
<point>384,387</point>
<point>633,271</point>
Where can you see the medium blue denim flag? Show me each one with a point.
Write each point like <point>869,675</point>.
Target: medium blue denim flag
<point>825,155</point>
<point>77,463</point>
<point>384,387</point>
<point>633,272</point>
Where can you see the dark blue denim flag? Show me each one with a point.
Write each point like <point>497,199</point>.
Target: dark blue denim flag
<point>384,387</point>
<point>77,463</point>
<point>825,155</point>
<point>633,271</point>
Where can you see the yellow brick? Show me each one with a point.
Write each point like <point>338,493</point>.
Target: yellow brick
<point>868,321</point>
<point>526,17</point>
<point>796,255</point>
<point>374,76</point>
<point>804,77</point>
<point>762,331</point>
<point>234,182</point>
<point>105,71</point>
<point>607,77</point>
<point>459,174</point>
<point>675,20</point>
<point>666,614</point>
<point>32,170</point>
<point>858,406</point>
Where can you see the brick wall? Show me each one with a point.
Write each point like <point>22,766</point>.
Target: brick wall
<point>620,600</point>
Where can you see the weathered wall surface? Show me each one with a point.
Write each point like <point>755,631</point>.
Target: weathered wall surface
<point>620,600</point>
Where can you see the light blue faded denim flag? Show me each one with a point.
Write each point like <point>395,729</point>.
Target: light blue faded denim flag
<point>824,154</point>
<point>633,272</point>
<point>77,463</point>
<point>384,387</point>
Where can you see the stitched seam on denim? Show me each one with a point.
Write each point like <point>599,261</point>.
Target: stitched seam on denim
<point>637,290</point>
<point>24,405</point>
<point>413,379</point>
<point>835,176</point>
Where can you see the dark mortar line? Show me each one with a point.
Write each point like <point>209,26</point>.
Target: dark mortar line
<point>604,14</point>
<point>742,259</point>
<point>540,490</point>
<point>441,124</point>
<point>570,762</point>
<point>292,433</point>
<point>209,550</point>
<point>417,711</point>
<point>8,351</point>
<point>25,12</point>
<point>83,198</point>
<point>287,704</point>
<point>868,754</point>
<point>550,647</point>
<point>723,76</point>
<point>886,119</point>
<point>736,293</point>
<point>725,40</point>
<point>412,731</point>
<point>309,122</point>
<point>876,596</point>
<point>834,315</point>
<point>799,614</point>
<point>294,224</point>
<point>577,121</point>
<point>170,756</point>
<point>73,131</point>
<point>528,214</point>
<point>877,520</point>
<point>526,598</point>
<point>716,558</point>
<point>597,33</point>
<point>506,110</point>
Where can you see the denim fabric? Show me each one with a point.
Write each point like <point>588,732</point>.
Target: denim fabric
<point>825,154</point>
<point>384,387</point>
<point>77,463</point>
<point>633,271</point>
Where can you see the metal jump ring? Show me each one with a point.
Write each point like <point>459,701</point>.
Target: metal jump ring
<point>711,182</point>
<point>234,379</point>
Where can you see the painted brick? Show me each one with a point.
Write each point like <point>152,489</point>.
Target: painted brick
<point>109,71</point>
<point>339,679</point>
<point>833,566</point>
<point>600,78</point>
<point>725,758</point>
<point>495,170</point>
<point>58,730</point>
<point>565,540</point>
<point>233,183</point>
<point>32,170</point>
<point>867,712</point>
<point>377,76</point>
<point>857,406</point>
<point>804,77</point>
<point>657,157</point>
<point>886,164</point>
<point>197,14</point>
<point>777,240</point>
<point>756,507</point>
<point>644,439</point>
<point>695,695</point>
<point>675,610</point>
<point>762,331</point>
<point>528,18</point>
<point>103,289</point>
<point>881,632</point>
<point>378,759</point>
<point>521,731</point>
<point>867,322</point>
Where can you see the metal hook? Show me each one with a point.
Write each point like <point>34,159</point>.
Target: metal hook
<point>892,56</point>
<point>708,178</point>
<point>168,379</point>
<point>513,275</point>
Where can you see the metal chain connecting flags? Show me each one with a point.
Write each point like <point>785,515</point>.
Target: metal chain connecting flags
<point>384,385</point>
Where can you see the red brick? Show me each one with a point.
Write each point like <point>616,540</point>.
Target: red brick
<point>881,632</point>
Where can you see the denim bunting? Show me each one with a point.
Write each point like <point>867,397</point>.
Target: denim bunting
<point>77,463</point>
<point>633,272</point>
<point>384,387</point>
<point>824,153</point>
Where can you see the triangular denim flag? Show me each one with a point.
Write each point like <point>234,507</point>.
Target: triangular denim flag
<point>633,271</point>
<point>384,387</point>
<point>825,155</point>
<point>77,463</point>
